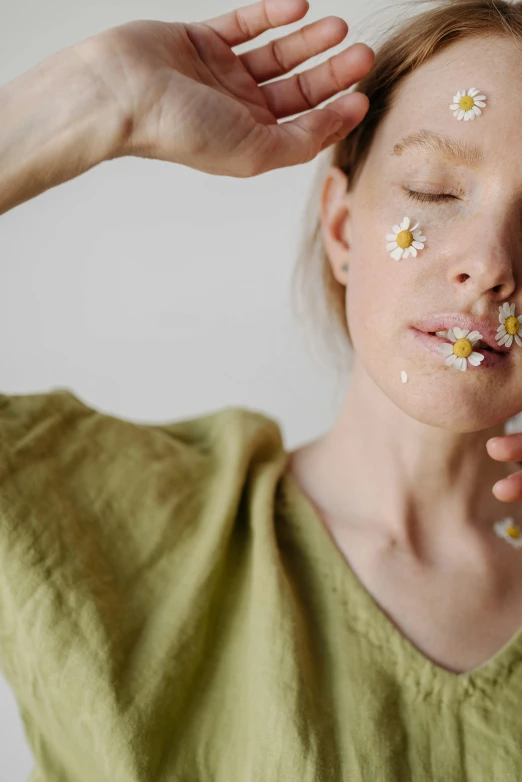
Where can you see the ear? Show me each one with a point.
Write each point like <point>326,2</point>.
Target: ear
<point>335,222</point>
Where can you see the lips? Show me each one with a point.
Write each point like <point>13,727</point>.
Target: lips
<point>445,321</point>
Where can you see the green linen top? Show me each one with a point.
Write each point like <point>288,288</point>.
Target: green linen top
<point>173,609</point>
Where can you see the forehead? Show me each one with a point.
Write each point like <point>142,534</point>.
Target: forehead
<point>492,65</point>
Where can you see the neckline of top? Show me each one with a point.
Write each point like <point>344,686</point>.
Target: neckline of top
<point>424,673</point>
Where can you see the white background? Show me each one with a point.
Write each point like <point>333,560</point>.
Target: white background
<point>152,291</point>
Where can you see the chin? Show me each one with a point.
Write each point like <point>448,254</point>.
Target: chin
<point>451,411</point>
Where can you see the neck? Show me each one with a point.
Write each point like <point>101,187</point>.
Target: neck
<point>414,483</point>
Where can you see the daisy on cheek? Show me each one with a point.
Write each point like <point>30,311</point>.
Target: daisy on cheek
<point>461,351</point>
<point>510,327</point>
<point>405,240</point>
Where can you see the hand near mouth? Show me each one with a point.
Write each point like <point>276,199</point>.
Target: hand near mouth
<point>507,449</point>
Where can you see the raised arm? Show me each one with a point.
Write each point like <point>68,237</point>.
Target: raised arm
<point>178,92</point>
<point>55,123</point>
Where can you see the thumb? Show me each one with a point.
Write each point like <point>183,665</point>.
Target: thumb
<point>300,140</point>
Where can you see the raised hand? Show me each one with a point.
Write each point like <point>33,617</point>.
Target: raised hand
<point>190,99</point>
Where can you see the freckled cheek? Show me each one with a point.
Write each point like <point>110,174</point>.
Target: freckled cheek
<point>373,296</point>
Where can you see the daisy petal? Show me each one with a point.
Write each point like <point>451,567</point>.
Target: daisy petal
<point>414,228</point>
<point>480,103</point>
<point>396,230</point>
<point>475,359</point>
<point>456,113</point>
<point>454,106</point>
<point>474,336</point>
<point>450,360</point>
<point>507,310</point>
<point>464,333</point>
<point>463,364</point>
<point>479,97</point>
<point>446,349</point>
<point>512,309</point>
<point>405,224</point>
<point>461,114</point>
<point>473,92</point>
<point>476,111</point>
<point>518,340</point>
<point>467,117</point>
<point>503,339</point>
<point>397,254</point>
<point>457,332</point>
<point>406,252</point>
<point>412,250</point>
<point>419,238</point>
<point>391,246</point>
<point>510,341</point>
<point>418,245</point>
<point>391,237</point>
<point>451,335</point>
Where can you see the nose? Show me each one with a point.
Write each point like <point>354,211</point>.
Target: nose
<point>486,269</point>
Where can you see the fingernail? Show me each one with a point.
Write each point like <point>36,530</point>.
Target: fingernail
<point>493,440</point>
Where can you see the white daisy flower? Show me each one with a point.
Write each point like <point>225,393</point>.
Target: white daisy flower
<point>510,326</point>
<point>404,240</point>
<point>467,105</point>
<point>461,351</point>
<point>510,531</point>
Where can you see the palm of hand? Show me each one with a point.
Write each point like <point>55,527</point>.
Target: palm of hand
<point>187,84</point>
<point>190,99</point>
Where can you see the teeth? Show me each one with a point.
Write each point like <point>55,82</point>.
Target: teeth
<point>441,334</point>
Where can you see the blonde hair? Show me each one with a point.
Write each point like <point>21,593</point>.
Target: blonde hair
<point>403,51</point>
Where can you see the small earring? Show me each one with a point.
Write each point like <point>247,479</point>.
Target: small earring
<point>344,268</point>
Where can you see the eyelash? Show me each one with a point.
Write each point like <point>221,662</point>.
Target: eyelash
<point>430,197</point>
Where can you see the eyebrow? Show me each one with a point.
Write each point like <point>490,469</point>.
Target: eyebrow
<point>457,151</point>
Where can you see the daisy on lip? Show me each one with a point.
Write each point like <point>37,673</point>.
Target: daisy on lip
<point>461,351</point>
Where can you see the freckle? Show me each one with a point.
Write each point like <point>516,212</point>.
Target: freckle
<point>404,376</point>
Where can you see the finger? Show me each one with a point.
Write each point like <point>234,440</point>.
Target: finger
<point>506,449</point>
<point>244,24</point>
<point>300,140</point>
<point>284,54</point>
<point>352,112</point>
<point>509,489</point>
<point>307,90</point>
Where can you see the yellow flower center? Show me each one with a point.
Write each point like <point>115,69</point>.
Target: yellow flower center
<point>463,348</point>
<point>513,532</point>
<point>512,325</point>
<point>466,103</point>
<point>404,239</point>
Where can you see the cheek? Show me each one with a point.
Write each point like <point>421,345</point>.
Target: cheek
<point>375,290</point>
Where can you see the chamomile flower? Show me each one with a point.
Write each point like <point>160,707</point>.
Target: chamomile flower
<point>510,531</point>
<point>468,105</point>
<point>461,351</point>
<point>404,240</point>
<point>510,326</point>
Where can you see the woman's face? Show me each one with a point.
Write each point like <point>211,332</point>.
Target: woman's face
<point>472,260</point>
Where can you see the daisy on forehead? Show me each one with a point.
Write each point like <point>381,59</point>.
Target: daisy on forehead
<point>404,240</point>
<point>510,326</point>
<point>468,105</point>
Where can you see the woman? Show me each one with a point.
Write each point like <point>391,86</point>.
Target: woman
<point>189,601</point>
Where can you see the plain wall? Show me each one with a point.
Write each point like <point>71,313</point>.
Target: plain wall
<point>152,291</point>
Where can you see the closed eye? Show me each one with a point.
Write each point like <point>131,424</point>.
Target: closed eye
<point>430,197</point>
